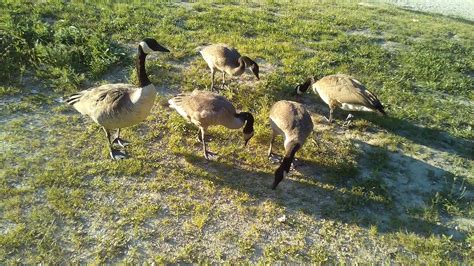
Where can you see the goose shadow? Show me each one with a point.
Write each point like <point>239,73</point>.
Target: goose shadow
<point>430,137</point>
<point>308,190</point>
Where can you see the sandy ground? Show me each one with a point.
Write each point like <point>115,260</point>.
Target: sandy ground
<point>458,8</point>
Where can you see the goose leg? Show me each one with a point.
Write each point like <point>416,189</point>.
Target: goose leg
<point>332,105</point>
<point>272,157</point>
<point>330,115</point>
<point>114,153</point>
<point>212,79</point>
<point>199,136</point>
<point>223,79</point>
<point>270,153</point>
<point>224,85</point>
<point>120,142</point>
<point>204,148</point>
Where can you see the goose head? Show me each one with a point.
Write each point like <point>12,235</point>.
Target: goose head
<point>248,129</point>
<point>255,70</point>
<point>302,88</point>
<point>247,137</point>
<point>280,173</point>
<point>150,45</point>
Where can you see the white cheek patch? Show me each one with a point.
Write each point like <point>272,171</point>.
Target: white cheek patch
<point>146,49</point>
<point>298,90</point>
<point>285,173</point>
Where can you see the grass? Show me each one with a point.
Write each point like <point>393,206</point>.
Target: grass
<point>392,190</point>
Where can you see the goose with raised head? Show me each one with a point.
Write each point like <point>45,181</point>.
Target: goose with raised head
<point>227,60</point>
<point>343,91</point>
<point>292,121</point>
<point>205,109</point>
<point>115,106</point>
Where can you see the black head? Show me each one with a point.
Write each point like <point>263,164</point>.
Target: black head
<point>280,173</point>
<point>302,88</point>
<point>284,167</point>
<point>248,129</point>
<point>255,70</point>
<point>150,45</point>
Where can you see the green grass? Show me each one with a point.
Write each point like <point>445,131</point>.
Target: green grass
<point>394,190</point>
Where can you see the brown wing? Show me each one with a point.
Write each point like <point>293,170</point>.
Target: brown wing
<point>346,89</point>
<point>292,118</point>
<point>110,98</point>
<point>223,55</point>
<point>203,108</point>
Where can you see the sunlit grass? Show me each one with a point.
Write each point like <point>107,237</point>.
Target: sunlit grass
<point>381,190</point>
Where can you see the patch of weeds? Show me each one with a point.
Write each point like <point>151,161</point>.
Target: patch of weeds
<point>62,199</point>
<point>318,254</point>
<point>111,245</point>
<point>61,53</point>
<point>66,203</point>
<point>452,199</point>
<point>247,243</point>
<point>430,250</point>
<point>9,91</point>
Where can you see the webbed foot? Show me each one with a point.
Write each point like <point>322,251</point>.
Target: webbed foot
<point>210,155</point>
<point>117,154</point>
<point>274,158</point>
<point>120,142</point>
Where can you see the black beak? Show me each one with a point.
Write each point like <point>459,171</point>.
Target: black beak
<point>245,144</point>
<point>160,48</point>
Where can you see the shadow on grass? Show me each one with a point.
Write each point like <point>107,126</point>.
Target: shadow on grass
<point>434,138</point>
<point>349,201</point>
<point>418,188</point>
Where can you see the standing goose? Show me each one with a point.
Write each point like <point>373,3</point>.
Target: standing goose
<point>293,122</point>
<point>115,106</point>
<point>345,92</point>
<point>227,60</point>
<point>205,109</point>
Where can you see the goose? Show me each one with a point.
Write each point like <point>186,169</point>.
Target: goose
<point>115,106</point>
<point>293,122</point>
<point>345,92</point>
<point>227,60</point>
<point>205,109</point>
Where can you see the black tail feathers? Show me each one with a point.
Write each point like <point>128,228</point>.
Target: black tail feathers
<point>73,98</point>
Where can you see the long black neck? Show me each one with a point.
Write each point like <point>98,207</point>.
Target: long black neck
<point>288,159</point>
<point>141,71</point>
<point>248,118</point>
<point>309,82</point>
<point>247,61</point>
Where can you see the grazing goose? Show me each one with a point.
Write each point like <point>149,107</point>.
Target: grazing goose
<point>115,106</point>
<point>343,91</point>
<point>205,109</point>
<point>227,60</point>
<point>293,122</point>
